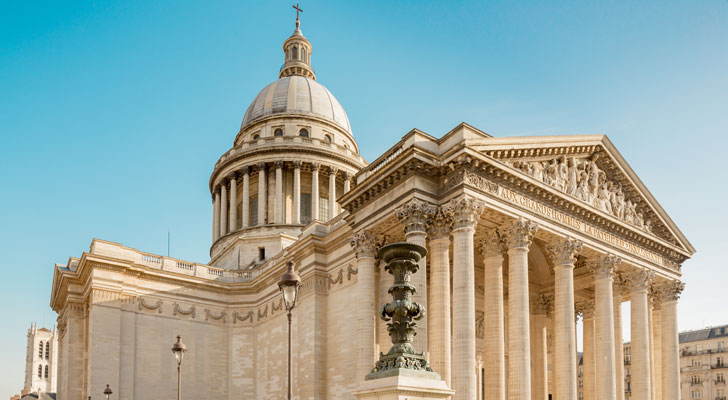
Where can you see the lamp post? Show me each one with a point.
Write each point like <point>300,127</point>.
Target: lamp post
<point>107,392</point>
<point>289,284</point>
<point>179,349</point>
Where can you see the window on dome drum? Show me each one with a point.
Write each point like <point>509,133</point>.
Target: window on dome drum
<point>323,209</point>
<point>303,53</point>
<point>327,138</point>
<point>305,208</point>
<point>40,371</point>
<point>278,132</point>
<point>48,349</point>
<point>40,349</point>
<point>253,210</point>
<point>295,52</point>
<point>303,132</point>
<point>46,371</point>
<point>256,137</point>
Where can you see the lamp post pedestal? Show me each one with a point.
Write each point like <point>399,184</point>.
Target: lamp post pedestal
<point>402,373</point>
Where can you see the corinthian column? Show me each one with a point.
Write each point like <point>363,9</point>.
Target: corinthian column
<point>279,194</point>
<point>465,211</point>
<point>216,215</point>
<point>296,192</point>
<point>347,182</point>
<point>262,194</point>
<point>233,202</point>
<point>563,255</point>
<point>617,284</point>
<point>223,209</point>
<point>640,332</point>
<point>314,192</point>
<point>332,199</point>
<point>670,292</point>
<point>606,385</point>
<point>413,216</point>
<point>246,197</point>
<point>542,307</point>
<point>656,345</point>
<point>520,234</point>
<point>588,361</point>
<point>365,248</point>
<point>492,250</point>
<point>439,340</point>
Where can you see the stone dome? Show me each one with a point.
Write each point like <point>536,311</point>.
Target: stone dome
<point>296,95</point>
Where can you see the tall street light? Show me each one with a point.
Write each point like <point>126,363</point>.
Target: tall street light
<point>289,284</point>
<point>107,392</point>
<point>179,349</point>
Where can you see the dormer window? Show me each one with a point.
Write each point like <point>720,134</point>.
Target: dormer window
<point>278,132</point>
<point>303,132</point>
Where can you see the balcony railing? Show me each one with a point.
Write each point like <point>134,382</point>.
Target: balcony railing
<point>720,381</point>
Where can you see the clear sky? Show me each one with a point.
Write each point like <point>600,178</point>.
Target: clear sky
<point>113,113</point>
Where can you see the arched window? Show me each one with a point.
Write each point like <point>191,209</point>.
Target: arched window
<point>295,52</point>
<point>303,132</point>
<point>327,138</point>
<point>278,132</point>
<point>40,349</point>
<point>303,53</point>
<point>256,137</point>
<point>40,371</point>
<point>48,350</point>
<point>46,371</point>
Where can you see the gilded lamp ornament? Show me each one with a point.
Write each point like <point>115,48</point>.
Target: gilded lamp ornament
<point>401,314</point>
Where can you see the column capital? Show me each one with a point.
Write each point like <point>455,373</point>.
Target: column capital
<point>543,304</point>
<point>439,225</point>
<point>279,163</point>
<point>233,176</point>
<point>414,215</point>
<point>604,267</point>
<point>464,211</point>
<point>493,244</point>
<point>261,166</point>
<point>585,308</point>
<point>564,251</point>
<point>520,233</point>
<point>364,244</point>
<point>245,170</point>
<point>639,280</point>
<point>333,170</point>
<point>670,290</point>
<point>345,175</point>
<point>315,167</point>
<point>297,164</point>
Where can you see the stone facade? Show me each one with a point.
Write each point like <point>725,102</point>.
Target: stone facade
<point>515,252</point>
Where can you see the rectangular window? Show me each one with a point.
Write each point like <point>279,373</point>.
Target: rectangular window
<point>305,208</point>
<point>720,346</point>
<point>47,350</point>
<point>323,209</point>
<point>261,253</point>
<point>253,211</point>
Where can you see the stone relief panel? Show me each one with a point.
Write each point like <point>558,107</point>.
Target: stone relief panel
<point>583,179</point>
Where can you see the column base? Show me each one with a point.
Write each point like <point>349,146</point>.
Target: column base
<point>405,384</point>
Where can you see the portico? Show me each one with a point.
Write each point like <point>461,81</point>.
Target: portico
<point>545,257</point>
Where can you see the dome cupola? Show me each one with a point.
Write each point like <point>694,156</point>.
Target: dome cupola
<point>297,50</point>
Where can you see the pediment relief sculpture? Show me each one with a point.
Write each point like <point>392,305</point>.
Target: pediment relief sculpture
<point>583,179</point>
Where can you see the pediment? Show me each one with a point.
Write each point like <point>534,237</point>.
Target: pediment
<point>588,170</point>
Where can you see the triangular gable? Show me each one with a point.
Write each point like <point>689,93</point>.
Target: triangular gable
<point>590,170</point>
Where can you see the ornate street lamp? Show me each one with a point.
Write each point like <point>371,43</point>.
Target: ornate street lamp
<point>107,392</point>
<point>179,350</point>
<point>289,284</point>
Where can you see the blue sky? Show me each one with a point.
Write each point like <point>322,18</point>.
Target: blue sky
<point>113,113</point>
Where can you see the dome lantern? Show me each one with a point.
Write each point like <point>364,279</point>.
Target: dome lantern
<point>297,53</point>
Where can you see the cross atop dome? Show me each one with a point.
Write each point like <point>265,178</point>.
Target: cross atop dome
<point>297,50</point>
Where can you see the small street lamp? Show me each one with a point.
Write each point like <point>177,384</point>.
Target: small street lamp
<point>107,392</point>
<point>289,284</point>
<point>179,349</point>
